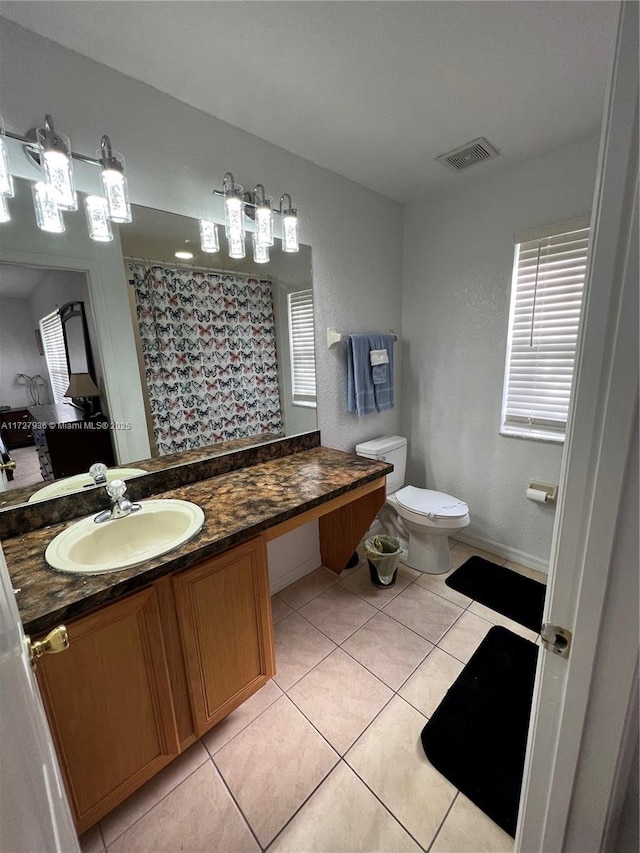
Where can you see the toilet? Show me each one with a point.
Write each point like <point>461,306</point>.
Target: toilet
<point>422,517</point>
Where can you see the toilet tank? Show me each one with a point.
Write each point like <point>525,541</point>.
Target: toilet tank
<point>388,448</point>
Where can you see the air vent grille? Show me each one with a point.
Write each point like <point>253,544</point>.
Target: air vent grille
<point>467,155</point>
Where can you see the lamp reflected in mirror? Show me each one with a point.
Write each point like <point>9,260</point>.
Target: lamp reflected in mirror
<point>83,391</point>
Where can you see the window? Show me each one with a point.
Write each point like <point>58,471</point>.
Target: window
<point>546,304</point>
<point>303,362</point>
<point>55,354</point>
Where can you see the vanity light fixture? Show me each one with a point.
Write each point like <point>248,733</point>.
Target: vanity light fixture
<point>233,207</point>
<point>260,250</point>
<point>258,207</point>
<point>209,240</point>
<point>55,161</point>
<point>50,152</point>
<point>233,216</point>
<point>6,181</point>
<point>114,182</point>
<point>264,217</point>
<point>237,248</point>
<point>289,225</point>
<point>96,210</point>
<point>48,215</point>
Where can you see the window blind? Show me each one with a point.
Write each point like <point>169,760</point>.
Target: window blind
<point>301,340</point>
<point>546,305</point>
<point>55,354</point>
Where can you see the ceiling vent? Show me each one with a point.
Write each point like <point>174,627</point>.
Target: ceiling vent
<point>467,155</point>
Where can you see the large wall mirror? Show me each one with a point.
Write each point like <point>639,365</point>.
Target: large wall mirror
<point>185,353</point>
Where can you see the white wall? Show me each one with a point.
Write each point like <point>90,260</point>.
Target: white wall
<point>18,352</point>
<point>176,155</point>
<point>458,259</point>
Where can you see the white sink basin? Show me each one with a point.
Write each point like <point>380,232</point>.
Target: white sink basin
<point>158,527</point>
<point>80,481</point>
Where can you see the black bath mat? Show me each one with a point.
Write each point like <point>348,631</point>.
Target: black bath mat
<point>477,735</point>
<point>519,598</point>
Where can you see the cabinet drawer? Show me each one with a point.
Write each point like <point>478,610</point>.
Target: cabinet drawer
<point>15,428</point>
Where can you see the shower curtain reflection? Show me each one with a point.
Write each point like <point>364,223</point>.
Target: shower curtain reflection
<point>210,360</point>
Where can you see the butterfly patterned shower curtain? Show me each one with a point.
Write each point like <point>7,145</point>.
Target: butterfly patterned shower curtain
<point>209,346</point>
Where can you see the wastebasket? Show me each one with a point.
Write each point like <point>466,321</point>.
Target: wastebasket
<point>383,554</point>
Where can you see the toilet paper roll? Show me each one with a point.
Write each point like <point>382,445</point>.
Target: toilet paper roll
<point>537,495</point>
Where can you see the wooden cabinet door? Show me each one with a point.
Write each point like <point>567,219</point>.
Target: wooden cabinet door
<point>224,612</point>
<point>109,705</point>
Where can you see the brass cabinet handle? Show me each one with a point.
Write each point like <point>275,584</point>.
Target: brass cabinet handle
<point>8,466</point>
<point>56,641</point>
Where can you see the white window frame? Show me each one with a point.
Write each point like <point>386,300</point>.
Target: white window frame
<point>55,353</point>
<point>538,376</point>
<point>302,348</point>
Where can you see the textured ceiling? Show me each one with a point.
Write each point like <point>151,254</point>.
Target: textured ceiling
<point>18,282</point>
<point>373,91</point>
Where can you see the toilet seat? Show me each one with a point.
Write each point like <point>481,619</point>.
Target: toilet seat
<point>434,505</point>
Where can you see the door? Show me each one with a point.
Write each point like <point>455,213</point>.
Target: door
<point>109,702</point>
<point>563,797</point>
<point>34,812</point>
<point>224,612</point>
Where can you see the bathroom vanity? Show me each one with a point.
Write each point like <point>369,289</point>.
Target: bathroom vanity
<point>161,652</point>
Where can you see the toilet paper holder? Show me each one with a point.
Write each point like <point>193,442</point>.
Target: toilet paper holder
<point>547,492</point>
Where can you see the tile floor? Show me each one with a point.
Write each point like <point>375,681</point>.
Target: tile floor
<point>327,756</point>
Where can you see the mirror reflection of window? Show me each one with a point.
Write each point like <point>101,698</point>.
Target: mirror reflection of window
<point>55,354</point>
<point>301,345</point>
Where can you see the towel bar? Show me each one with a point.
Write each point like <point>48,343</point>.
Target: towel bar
<point>334,336</point>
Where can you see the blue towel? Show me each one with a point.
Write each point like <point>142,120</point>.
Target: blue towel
<point>365,396</point>
<point>379,374</point>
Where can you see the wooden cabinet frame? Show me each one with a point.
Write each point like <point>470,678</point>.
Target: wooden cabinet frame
<point>103,758</point>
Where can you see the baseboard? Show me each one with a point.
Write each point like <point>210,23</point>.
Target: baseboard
<point>278,583</point>
<point>507,552</point>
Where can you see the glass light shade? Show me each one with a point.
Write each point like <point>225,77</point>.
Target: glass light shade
<point>48,215</point>
<point>260,250</point>
<point>5,215</point>
<point>234,214</point>
<point>290,233</point>
<point>264,224</point>
<point>95,207</point>
<point>209,240</point>
<point>116,192</point>
<point>237,247</point>
<point>55,160</point>
<point>6,181</point>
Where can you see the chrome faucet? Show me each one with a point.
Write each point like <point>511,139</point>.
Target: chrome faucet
<point>121,506</point>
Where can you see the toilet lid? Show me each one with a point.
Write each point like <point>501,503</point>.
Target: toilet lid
<point>430,503</point>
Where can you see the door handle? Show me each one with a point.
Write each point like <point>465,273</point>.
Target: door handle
<point>8,466</point>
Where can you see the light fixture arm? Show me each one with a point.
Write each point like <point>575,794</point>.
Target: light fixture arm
<point>107,158</point>
<point>255,194</point>
<point>290,208</point>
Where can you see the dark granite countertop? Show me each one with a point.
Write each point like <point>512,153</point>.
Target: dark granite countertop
<point>238,505</point>
<point>154,465</point>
